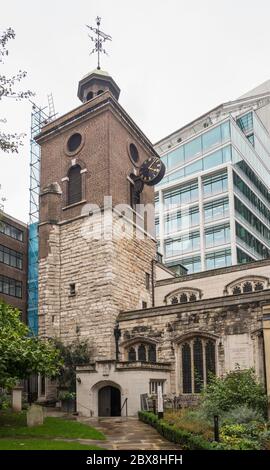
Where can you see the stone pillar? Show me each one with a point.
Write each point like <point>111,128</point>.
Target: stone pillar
<point>266,339</point>
<point>17,398</point>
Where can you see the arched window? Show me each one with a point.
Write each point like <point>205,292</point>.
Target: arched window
<point>74,185</point>
<point>198,358</point>
<point>258,286</point>
<point>90,95</point>
<point>152,354</point>
<point>247,287</point>
<point>131,355</point>
<point>183,298</point>
<point>141,353</point>
<point>237,290</point>
<point>99,92</point>
<point>244,285</point>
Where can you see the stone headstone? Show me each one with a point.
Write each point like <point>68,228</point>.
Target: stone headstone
<point>35,415</point>
<point>17,399</point>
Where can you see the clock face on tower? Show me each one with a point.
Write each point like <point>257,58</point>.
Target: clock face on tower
<point>152,171</point>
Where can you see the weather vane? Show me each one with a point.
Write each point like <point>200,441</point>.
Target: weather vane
<point>98,40</point>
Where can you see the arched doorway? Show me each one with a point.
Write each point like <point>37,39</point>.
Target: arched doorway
<point>109,401</point>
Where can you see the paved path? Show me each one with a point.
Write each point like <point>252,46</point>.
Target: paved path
<point>127,433</point>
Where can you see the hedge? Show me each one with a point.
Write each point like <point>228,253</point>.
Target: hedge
<point>186,439</point>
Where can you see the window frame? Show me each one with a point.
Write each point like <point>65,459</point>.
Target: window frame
<point>190,339</point>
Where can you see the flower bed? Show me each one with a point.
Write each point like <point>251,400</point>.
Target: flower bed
<point>249,436</point>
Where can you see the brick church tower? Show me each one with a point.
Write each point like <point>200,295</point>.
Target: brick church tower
<point>86,278</point>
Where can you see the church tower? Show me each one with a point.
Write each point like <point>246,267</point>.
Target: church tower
<point>90,160</point>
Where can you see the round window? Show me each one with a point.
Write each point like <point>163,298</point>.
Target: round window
<point>134,154</point>
<point>74,142</point>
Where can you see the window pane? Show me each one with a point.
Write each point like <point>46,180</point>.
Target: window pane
<point>225,131</point>
<point>175,158</point>
<point>132,355</point>
<point>141,353</point>
<point>212,160</point>
<point>186,368</point>
<point>193,148</point>
<point>210,359</point>
<point>193,168</point>
<point>211,138</point>
<point>198,365</point>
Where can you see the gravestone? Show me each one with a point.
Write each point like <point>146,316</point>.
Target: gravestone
<point>35,415</point>
<point>17,398</point>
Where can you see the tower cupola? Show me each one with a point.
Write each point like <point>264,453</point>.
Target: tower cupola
<point>95,83</point>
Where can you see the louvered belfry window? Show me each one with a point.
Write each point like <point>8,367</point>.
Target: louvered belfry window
<point>74,185</point>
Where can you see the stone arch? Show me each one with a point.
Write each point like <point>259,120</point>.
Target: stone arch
<point>107,396</point>
<point>190,293</point>
<point>136,344</point>
<point>197,359</point>
<point>190,334</point>
<point>239,286</point>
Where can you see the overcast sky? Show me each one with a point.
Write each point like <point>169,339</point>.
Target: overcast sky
<point>173,61</point>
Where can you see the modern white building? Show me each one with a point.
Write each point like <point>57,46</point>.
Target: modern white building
<point>213,205</point>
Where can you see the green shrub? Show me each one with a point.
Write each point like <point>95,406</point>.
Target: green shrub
<point>234,443</point>
<point>5,400</point>
<point>242,414</point>
<point>236,388</point>
<point>191,420</point>
<point>245,436</point>
<point>179,436</point>
<point>264,439</point>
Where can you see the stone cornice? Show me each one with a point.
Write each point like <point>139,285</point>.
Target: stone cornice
<point>201,306</point>
<point>215,272</point>
<point>100,103</point>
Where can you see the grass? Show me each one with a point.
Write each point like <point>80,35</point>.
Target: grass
<point>42,444</point>
<point>43,437</point>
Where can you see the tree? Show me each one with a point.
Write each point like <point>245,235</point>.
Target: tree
<point>75,354</point>
<point>22,355</point>
<point>9,142</point>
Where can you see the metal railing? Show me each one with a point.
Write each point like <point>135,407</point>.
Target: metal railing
<point>125,403</point>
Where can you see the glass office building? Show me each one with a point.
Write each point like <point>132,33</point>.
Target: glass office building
<point>213,204</point>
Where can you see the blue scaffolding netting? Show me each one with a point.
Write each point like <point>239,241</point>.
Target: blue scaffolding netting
<point>38,118</point>
<point>33,278</point>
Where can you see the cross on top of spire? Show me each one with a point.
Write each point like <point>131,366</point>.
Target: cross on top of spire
<point>98,39</point>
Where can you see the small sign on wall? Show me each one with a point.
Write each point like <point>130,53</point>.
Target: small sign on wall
<point>238,352</point>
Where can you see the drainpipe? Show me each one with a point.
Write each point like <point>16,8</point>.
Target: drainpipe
<point>117,335</point>
<point>152,278</point>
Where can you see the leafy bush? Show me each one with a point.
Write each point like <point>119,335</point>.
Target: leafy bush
<point>264,439</point>
<point>242,414</point>
<point>241,436</point>
<point>177,435</point>
<point>191,420</point>
<point>5,400</point>
<point>64,396</point>
<point>245,436</point>
<point>236,388</point>
<point>74,354</point>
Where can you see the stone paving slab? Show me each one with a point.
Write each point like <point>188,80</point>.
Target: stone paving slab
<point>127,434</point>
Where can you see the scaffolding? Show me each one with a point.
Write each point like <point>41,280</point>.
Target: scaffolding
<point>39,117</point>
